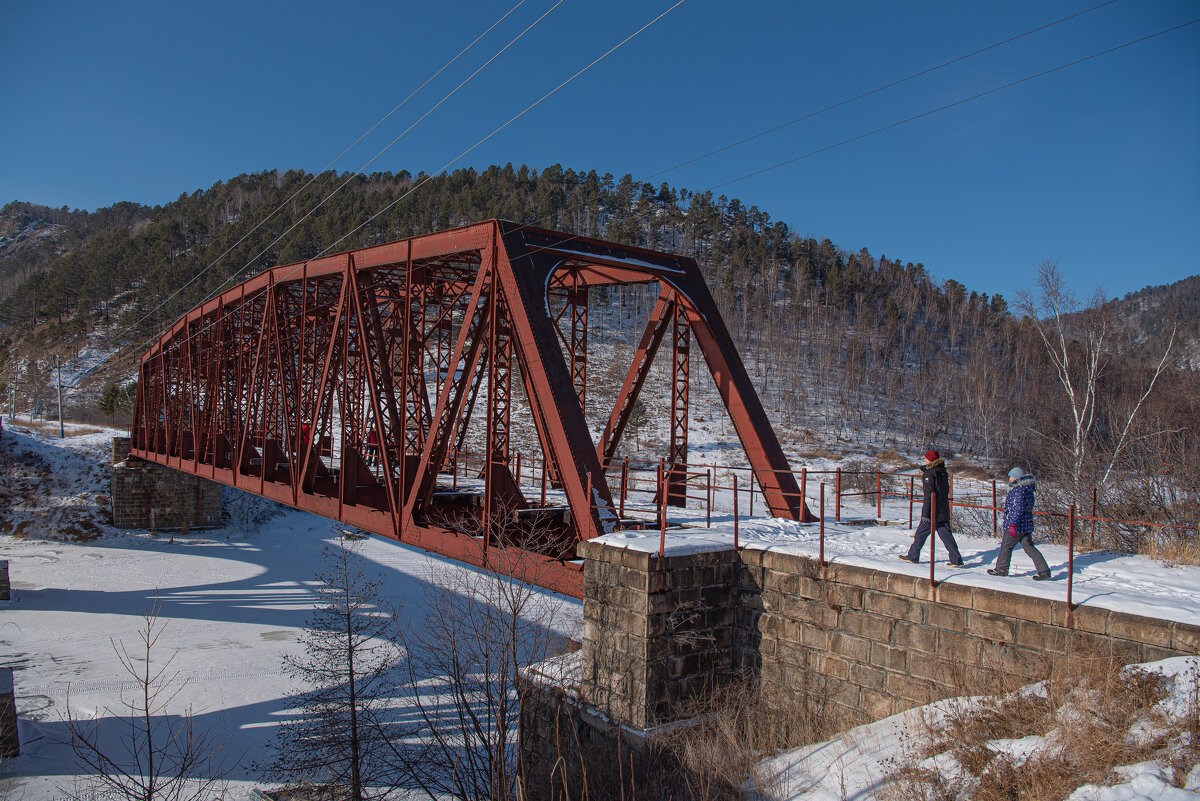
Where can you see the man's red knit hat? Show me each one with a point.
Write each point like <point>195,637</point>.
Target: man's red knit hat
<point>931,456</point>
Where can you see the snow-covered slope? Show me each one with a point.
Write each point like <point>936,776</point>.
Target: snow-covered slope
<point>859,763</point>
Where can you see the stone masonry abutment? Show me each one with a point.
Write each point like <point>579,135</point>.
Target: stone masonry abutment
<point>863,643</point>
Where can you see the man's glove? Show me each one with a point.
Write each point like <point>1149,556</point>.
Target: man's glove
<point>1012,531</point>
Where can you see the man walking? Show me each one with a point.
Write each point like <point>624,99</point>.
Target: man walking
<point>1018,525</point>
<point>935,480</point>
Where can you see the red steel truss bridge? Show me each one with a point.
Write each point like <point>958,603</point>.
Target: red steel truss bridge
<point>345,386</point>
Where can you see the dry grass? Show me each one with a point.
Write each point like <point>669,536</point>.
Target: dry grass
<point>1092,714</point>
<point>51,427</point>
<point>1182,548</point>
<point>817,453</point>
<point>894,460</point>
<point>736,726</point>
<point>972,472</point>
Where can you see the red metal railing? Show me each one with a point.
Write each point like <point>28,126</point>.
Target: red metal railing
<point>701,485</point>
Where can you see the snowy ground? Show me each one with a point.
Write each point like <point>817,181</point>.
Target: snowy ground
<point>854,766</point>
<point>235,601</point>
<point>233,606</point>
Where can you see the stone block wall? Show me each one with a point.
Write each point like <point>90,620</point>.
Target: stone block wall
<point>850,644</point>
<point>656,632</point>
<point>147,495</point>
<point>566,746</point>
<point>871,643</point>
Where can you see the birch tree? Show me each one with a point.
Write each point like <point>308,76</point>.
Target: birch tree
<point>1074,338</point>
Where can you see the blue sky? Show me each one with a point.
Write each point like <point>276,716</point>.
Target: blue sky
<point>1096,166</point>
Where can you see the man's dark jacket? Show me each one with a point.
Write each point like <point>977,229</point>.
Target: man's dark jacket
<point>934,478</point>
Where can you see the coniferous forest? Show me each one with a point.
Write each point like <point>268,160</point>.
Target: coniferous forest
<point>847,348</point>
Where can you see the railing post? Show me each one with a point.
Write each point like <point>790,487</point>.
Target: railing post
<point>589,492</point>
<point>804,485</point>
<point>994,507</point>
<point>454,469</point>
<point>518,476</point>
<point>911,489</point>
<point>735,514</point>
<point>837,496</point>
<point>708,474</point>
<point>822,556</point>
<point>1070,563</point>
<point>545,465</point>
<point>662,511</point>
<point>624,479</point>
<point>1092,538</point>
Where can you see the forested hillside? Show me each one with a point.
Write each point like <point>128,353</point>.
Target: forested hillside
<point>845,346</point>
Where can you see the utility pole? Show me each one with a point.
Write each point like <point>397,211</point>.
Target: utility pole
<point>58,364</point>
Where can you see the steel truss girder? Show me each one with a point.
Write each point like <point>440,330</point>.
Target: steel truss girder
<point>307,383</point>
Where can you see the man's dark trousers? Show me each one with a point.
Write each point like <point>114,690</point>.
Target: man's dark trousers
<point>947,538</point>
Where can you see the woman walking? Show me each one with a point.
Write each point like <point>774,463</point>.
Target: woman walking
<point>1018,525</point>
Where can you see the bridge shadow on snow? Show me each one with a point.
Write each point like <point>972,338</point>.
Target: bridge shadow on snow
<point>246,730</point>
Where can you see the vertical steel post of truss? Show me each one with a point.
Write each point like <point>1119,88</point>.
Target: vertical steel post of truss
<point>499,407</point>
<point>676,486</point>
<point>410,360</point>
<point>416,398</point>
<point>577,298</point>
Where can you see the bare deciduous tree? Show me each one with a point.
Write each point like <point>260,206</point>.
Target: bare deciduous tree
<point>1075,339</point>
<point>481,629</point>
<point>158,759</point>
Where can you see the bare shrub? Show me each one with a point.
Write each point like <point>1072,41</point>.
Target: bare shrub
<point>481,629</point>
<point>346,669</point>
<point>972,471</point>
<point>860,475</point>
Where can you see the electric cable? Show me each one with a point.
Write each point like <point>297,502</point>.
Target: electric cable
<point>345,183</point>
<point>359,171</point>
<point>820,111</point>
<point>337,158</point>
<point>779,164</point>
<point>513,119</point>
<point>952,105</point>
<point>461,155</point>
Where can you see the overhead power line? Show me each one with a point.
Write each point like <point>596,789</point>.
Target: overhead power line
<point>387,147</point>
<point>282,205</point>
<point>461,155</point>
<point>923,114</point>
<point>878,89</point>
<point>513,119</point>
<point>338,158</point>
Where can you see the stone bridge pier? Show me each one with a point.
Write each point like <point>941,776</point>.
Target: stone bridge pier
<point>148,495</point>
